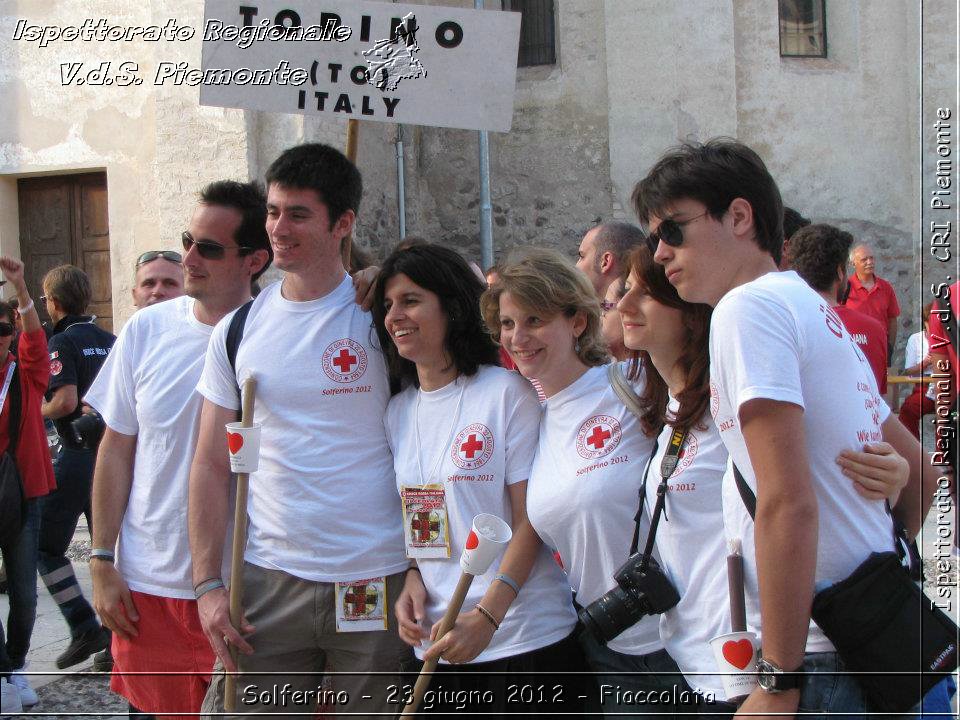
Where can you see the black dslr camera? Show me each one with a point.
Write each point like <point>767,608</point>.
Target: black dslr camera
<point>638,592</point>
<point>88,429</point>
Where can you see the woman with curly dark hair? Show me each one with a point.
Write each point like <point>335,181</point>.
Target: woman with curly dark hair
<point>463,434</point>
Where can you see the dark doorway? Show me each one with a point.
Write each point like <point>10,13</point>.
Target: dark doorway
<point>63,219</point>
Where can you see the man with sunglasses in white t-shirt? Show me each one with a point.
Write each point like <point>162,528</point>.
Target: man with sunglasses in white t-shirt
<point>792,396</point>
<point>159,277</point>
<point>146,395</point>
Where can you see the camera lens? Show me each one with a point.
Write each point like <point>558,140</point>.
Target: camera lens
<point>611,614</point>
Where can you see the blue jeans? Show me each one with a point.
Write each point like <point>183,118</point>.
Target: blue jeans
<point>830,690</point>
<point>659,694</point>
<point>73,470</point>
<point>20,558</point>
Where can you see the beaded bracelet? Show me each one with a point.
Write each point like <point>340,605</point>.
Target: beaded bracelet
<point>487,615</point>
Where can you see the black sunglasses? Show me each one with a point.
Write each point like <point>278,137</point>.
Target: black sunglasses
<point>151,255</point>
<point>670,231</point>
<point>208,249</point>
<point>6,329</point>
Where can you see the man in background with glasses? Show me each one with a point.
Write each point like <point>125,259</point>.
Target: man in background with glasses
<point>78,348</point>
<point>159,277</point>
<point>147,397</point>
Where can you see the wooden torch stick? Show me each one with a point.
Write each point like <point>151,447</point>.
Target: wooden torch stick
<point>353,139</point>
<point>239,544</point>
<point>449,618</point>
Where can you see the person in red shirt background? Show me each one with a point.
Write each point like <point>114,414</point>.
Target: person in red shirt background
<point>32,458</point>
<point>818,255</point>
<point>872,295</point>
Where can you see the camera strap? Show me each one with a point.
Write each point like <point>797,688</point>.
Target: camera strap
<point>667,466</point>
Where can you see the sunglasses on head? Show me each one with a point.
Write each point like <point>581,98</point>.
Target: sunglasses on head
<point>6,329</point>
<point>151,255</point>
<point>208,249</point>
<point>670,231</point>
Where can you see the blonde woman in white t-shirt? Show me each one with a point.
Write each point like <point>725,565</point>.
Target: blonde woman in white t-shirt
<point>463,433</point>
<point>583,491</point>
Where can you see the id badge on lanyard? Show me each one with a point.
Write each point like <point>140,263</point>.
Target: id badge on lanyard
<point>426,529</point>
<point>361,605</point>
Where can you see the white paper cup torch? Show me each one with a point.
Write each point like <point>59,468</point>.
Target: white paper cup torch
<point>243,444</point>
<point>486,540</point>
<point>736,656</point>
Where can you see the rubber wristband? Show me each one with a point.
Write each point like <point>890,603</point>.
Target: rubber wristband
<point>207,586</point>
<point>488,616</point>
<point>26,308</point>
<point>509,581</point>
<point>102,554</point>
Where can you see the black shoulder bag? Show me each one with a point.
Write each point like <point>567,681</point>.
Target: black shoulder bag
<point>894,640</point>
<point>13,499</point>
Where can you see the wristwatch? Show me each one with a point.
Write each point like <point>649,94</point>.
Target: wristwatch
<point>774,679</point>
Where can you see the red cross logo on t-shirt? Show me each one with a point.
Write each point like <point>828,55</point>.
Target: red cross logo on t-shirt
<point>598,436</point>
<point>472,447</point>
<point>344,361</point>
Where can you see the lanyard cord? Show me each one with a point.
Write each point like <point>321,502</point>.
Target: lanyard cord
<point>453,431</point>
<point>667,465</point>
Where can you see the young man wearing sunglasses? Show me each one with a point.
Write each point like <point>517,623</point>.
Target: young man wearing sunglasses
<point>159,277</point>
<point>324,556</point>
<point>795,402</point>
<point>146,395</point>
<point>78,348</point>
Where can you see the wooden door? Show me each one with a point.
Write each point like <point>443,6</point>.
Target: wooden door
<point>63,220</point>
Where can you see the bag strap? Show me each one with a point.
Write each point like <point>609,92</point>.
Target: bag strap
<point>235,335</point>
<point>623,390</point>
<point>746,494</point>
<point>11,389</point>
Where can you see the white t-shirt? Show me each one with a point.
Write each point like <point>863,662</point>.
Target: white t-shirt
<point>323,506</point>
<point>775,338</point>
<point>476,436</point>
<point>692,550</point>
<point>147,388</point>
<point>918,347</point>
<point>584,492</point>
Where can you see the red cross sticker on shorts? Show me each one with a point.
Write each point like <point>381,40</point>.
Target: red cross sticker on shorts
<point>472,447</point>
<point>344,361</point>
<point>598,436</point>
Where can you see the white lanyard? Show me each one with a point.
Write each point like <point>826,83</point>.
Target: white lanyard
<point>6,382</point>
<point>453,432</point>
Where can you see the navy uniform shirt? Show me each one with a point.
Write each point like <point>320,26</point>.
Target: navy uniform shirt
<point>77,350</point>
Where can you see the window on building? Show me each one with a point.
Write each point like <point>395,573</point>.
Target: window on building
<point>537,31</point>
<point>803,28</point>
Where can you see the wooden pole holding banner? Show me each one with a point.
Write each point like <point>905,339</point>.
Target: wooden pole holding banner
<point>353,139</point>
<point>449,618</point>
<point>239,545</point>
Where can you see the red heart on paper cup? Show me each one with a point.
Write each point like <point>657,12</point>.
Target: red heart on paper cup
<point>738,652</point>
<point>472,541</point>
<point>234,442</point>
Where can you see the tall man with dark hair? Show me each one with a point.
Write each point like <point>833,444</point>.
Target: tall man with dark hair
<point>146,393</point>
<point>602,253</point>
<point>715,217</point>
<point>77,350</point>
<point>324,556</point>
<point>819,255</point>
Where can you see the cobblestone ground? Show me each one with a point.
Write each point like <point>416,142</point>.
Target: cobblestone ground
<point>75,694</point>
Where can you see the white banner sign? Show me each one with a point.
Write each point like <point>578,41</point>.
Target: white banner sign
<point>414,64</point>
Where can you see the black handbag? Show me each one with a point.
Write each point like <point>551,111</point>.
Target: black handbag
<point>895,641</point>
<point>13,499</point>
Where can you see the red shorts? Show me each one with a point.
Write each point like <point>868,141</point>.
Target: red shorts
<point>170,640</point>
